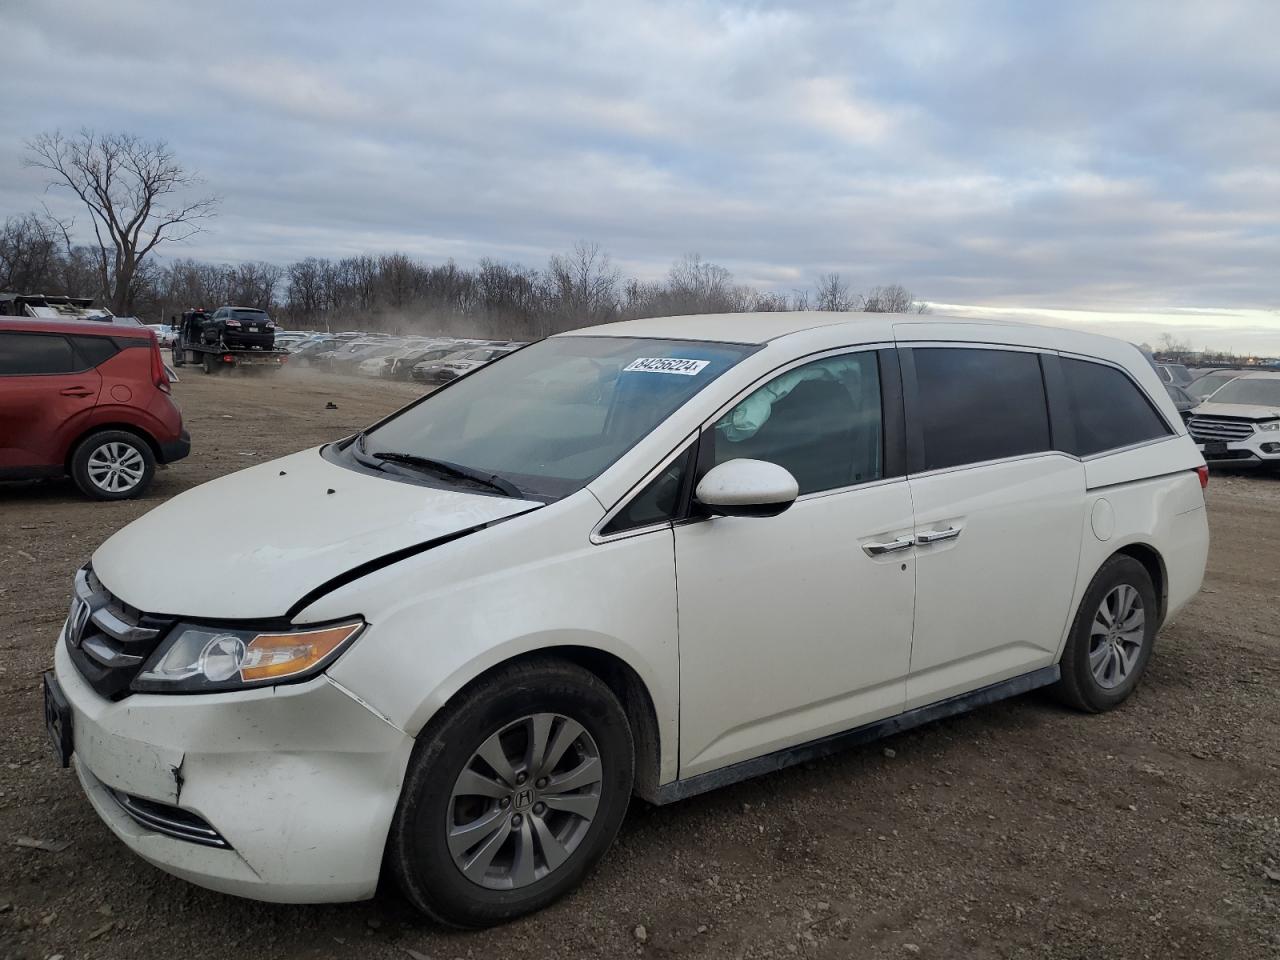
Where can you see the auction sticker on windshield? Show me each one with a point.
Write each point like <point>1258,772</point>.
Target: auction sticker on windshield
<point>686,368</point>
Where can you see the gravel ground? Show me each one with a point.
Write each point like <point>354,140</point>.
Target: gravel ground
<point>1020,830</point>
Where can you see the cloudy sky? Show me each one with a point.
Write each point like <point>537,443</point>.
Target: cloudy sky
<point>1116,160</point>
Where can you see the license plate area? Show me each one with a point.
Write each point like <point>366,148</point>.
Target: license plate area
<point>57,720</point>
<point>1215,448</point>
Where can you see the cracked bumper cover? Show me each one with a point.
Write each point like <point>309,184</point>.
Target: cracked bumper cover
<point>302,781</point>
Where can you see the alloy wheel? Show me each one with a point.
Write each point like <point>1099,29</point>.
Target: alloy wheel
<point>1116,636</point>
<point>116,467</point>
<point>524,801</point>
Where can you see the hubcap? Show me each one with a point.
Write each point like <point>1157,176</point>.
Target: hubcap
<point>524,801</point>
<point>116,467</point>
<point>1116,636</point>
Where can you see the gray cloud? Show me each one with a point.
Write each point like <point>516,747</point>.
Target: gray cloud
<point>1092,155</point>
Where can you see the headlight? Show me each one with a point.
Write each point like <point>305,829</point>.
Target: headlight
<point>1269,425</point>
<point>196,658</point>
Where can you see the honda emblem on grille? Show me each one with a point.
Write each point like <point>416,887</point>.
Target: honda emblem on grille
<point>78,620</point>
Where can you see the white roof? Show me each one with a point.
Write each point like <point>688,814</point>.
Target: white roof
<point>764,327</point>
<point>728,327</point>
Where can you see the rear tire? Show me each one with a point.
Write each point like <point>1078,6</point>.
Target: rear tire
<point>179,356</point>
<point>1111,638</point>
<point>208,363</point>
<point>473,845</point>
<point>113,465</point>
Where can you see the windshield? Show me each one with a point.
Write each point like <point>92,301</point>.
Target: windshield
<point>551,417</point>
<point>1263,391</point>
<point>1211,382</point>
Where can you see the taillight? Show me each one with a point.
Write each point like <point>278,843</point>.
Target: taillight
<point>158,374</point>
<point>1203,472</point>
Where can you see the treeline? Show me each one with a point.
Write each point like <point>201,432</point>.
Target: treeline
<point>397,293</point>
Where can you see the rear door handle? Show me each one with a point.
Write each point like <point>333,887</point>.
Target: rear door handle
<point>76,392</point>
<point>937,536</point>
<point>891,546</point>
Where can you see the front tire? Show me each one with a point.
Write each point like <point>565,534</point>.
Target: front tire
<point>513,794</point>
<point>113,465</point>
<point>1111,639</point>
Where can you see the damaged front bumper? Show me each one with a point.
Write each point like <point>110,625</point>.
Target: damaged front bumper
<point>298,783</point>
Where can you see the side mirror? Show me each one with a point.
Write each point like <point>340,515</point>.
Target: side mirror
<point>747,488</point>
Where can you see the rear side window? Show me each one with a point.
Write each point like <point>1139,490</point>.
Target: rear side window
<point>95,350</point>
<point>976,405</point>
<point>24,354</point>
<point>1110,410</point>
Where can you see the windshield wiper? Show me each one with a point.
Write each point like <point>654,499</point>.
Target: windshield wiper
<point>490,480</point>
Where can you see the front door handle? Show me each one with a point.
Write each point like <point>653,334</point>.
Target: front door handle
<point>891,546</point>
<point>937,536</point>
<point>76,392</point>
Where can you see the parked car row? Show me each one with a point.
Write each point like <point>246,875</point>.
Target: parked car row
<point>431,360</point>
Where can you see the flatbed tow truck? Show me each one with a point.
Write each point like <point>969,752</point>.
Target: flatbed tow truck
<point>199,343</point>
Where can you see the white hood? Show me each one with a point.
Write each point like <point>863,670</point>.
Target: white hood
<point>253,543</point>
<point>1249,411</point>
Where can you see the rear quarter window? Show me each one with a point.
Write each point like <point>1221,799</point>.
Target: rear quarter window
<point>1110,410</point>
<point>94,350</point>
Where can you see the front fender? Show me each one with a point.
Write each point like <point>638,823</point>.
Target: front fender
<point>441,618</point>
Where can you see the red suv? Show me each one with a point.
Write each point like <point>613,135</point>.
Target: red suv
<point>86,399</point>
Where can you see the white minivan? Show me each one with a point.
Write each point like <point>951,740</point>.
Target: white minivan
<point>655,557</point>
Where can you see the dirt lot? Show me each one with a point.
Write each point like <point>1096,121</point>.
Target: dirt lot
<point>1021,830</point>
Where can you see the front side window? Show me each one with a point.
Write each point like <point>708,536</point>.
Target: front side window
<point>26,354</point>
<point>975,405</point>
<point>549,418</point>
<point>821,421</point>
<point>1110,410</point>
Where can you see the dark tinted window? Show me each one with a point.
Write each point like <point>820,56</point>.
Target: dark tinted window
<point>977,405</point>
<point>33,353</point>
<point>94,350</point>
<point>821,421</point>
<point>1110,410</point>
<point>657,502</point>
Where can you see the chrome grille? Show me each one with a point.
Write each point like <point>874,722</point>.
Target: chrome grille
<point>1207,429</point>
<point>108,640</point>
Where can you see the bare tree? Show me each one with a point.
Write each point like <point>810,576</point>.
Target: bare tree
<point>1171,347</point>
<point>29,253</point>
<point>893,298</point>
<point>131,188</point>
<point>583,286</point>
<point>833,294</point>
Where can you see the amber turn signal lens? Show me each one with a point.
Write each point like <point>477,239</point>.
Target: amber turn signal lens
<point>270,656</point>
